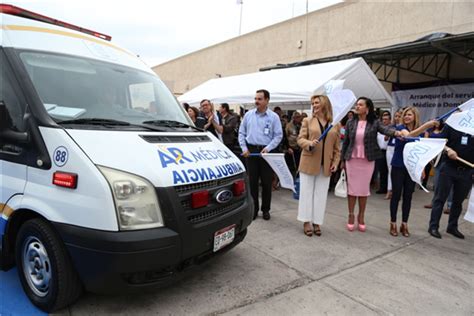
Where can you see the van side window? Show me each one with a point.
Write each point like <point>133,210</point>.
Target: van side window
<point>9,96</point>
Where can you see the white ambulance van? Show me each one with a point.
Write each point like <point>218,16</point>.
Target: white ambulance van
<point>106,185</point>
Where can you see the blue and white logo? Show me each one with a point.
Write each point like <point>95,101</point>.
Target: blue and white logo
<point>224,196</point>
<point>60,156</point>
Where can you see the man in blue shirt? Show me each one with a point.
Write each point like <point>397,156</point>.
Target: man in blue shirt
<point>260,132</point>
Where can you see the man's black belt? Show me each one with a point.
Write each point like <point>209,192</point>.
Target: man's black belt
<point>255,147</point>
<point>458,166</point>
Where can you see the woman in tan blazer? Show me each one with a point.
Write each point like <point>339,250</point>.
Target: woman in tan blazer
<point>318,160</point>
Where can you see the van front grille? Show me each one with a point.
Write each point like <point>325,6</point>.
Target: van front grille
<point>213,209</point>
<point>201,217</point>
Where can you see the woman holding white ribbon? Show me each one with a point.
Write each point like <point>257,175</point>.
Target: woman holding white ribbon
<point>403,185</point>
<point>318,160</point>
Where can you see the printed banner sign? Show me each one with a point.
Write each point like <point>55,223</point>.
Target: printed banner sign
<point>463,121</point>
<point>417,154</point>
<point>434,101</point>
<point>470,208</point>
<point>278,164</point>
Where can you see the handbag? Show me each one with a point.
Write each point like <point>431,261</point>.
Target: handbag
<point>341,187</point>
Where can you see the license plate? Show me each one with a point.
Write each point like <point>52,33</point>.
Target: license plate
<point>224,237</point>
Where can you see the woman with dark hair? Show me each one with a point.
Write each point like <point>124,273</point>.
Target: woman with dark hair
<point>193,113</point>
<point>359,152</point>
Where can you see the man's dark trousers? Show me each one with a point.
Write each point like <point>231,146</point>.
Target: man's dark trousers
<point>460,179</point>
<point>260,170</point>
<point>382,168</point>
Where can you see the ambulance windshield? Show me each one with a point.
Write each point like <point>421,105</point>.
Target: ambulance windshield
<point>79,88</point>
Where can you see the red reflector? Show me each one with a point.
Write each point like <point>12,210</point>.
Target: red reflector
<point>239,187</point>
<point>199,199</point>
<point>9,9</point>
<point>65,179</point>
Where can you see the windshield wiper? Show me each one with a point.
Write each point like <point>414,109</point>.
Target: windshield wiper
<point>107,122</point>
<point>170,123</point>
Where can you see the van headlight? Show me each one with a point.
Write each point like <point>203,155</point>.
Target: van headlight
<point>135,200</point>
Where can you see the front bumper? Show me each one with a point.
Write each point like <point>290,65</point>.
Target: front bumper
<point>118,262</point>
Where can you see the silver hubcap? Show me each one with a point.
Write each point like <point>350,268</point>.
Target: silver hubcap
<point>36,266</point>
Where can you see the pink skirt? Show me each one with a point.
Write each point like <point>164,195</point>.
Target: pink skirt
<point>359,172</point>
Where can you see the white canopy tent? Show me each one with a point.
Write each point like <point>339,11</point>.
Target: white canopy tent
<point>291,88</point>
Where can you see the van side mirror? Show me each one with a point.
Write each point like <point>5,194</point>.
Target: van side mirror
<point>7,131</point>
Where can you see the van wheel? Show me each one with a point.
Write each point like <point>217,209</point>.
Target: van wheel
<point>44,267</point>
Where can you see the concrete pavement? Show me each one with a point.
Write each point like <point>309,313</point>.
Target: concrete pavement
<point>277,270</point>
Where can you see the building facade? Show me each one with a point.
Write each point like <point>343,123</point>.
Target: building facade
<point>347,27</point>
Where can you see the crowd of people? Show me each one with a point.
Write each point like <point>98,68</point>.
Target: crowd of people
<point>367,146</point>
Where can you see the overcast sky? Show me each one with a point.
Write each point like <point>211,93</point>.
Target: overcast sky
<point>159,30</point>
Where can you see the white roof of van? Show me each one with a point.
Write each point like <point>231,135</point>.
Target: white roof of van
<point>24,33</point>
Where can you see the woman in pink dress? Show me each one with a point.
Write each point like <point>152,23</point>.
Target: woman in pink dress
<point>359,152</point>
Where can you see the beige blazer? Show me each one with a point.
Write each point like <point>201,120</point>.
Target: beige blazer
<point>310,162</point>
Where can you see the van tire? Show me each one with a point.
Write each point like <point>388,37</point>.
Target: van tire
<point>44,267</point>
